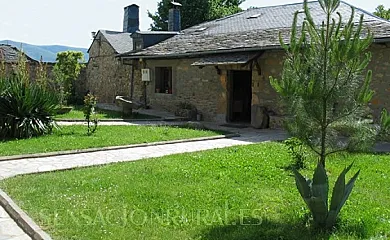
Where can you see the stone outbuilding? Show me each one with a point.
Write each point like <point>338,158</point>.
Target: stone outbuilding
<point>9,55</point>
<point>106,75</point>
<point>222,67</point>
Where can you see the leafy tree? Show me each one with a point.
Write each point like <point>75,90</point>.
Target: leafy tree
<point>193,12</point>
<point>66,70</point>
<point>322,82</point>
<point>380,11</point>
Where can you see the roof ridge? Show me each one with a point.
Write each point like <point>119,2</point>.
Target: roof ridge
<point>283,5</point>
<point>112,31</point>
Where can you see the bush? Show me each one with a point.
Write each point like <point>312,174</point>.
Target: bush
<point>26,109</point>
<point>384,132</point>
<point>297,150</point>
<point>89,112</point>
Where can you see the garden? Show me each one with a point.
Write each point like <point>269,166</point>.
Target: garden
<point>29,109</point>
<point>235,193</point>
<point>322,183</point>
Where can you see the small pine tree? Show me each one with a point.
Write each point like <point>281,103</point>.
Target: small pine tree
<point>322,82</point>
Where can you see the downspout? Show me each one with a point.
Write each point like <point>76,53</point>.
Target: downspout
<point>145,85</point>
<point>132,83</point>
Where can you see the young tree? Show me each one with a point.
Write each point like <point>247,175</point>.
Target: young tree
<point>322,82</point>
<point>66,70</point>
<point>193,12</point>
<point>380,11</point>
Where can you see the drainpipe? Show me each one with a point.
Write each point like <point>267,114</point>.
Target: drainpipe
<point>145,91</point>
<point>143,63</point>
<point>132,83</point>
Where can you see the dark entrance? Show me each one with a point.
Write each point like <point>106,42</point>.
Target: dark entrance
<point>240,96</point>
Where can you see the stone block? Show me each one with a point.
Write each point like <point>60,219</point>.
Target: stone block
<point>260,118</point>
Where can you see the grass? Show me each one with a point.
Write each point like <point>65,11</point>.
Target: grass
<point>77,114</point>
<point>75,137</point>
<point>237,193</point>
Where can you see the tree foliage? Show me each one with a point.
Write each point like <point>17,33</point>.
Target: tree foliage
<point>67,70</point>
<point>381,11</point>
<point>193,12</point>
<point>323,83</point>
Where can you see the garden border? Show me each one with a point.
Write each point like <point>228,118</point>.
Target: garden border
<point>71,152</point>
<point>22,219</point>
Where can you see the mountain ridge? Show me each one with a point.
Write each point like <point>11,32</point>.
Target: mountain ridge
<point>48,52</point>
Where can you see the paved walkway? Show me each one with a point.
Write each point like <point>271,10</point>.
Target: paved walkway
<point>9,229</point>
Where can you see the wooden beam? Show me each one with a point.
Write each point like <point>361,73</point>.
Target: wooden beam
<point>258,67</point>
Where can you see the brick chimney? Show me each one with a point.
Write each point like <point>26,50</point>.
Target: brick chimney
<point>131,19</point>
<point>174,21</point>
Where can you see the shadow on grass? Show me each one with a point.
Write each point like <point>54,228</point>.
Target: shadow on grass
<point>253,229</point>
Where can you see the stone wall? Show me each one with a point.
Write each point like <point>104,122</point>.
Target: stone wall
<point>380,66</point>
<point>208,90</point>
<point>271,64</point>
<point>106,76</point>
<point>10,68</point>
<point>203,88</point>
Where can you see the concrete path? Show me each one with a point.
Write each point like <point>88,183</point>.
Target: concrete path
<point>10,230</point>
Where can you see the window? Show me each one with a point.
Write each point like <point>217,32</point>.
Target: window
<point>163,80</point>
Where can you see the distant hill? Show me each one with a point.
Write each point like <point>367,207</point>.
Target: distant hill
<point>48,53</point>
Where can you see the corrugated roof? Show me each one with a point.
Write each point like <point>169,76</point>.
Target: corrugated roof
<point>244,31</point>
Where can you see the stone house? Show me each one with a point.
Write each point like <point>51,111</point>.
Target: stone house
<point>222,67</point>
<point>106,75</point>
<point>9,55</point>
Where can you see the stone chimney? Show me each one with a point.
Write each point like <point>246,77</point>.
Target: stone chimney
<point>174,21</point>
<point>131,19</point>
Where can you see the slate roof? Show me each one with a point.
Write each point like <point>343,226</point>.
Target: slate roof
<point>253,29</point>
<point>120,41</point>
<point>226,59</point>
<point>9,54</point>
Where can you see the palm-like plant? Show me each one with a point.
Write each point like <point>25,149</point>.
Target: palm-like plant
<point>26,109</point>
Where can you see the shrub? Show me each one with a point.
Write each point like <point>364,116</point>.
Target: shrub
<point>296,149</point>
<point>89,113</point>
<point>315,194</point>
<point>384,132</point>
<point>26,109</point>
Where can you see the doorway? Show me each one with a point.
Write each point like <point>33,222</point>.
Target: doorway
<point>240,96</point>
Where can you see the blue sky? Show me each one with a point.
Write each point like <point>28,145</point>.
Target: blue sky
<point>70,22</point>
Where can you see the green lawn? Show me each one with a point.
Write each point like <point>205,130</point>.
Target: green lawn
<point>77,114</point>
<point>75,137</point>
<point>238,193</point>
